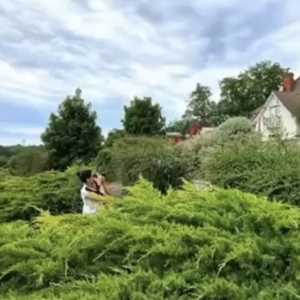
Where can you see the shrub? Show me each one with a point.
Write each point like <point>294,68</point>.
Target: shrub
<point>153,158</point>
<point>199,147</point>
<point>29,162</point>
<point>266,168</point>
<point>113,136</point>
<point>188,244</point>
<point>196,149</point>
<point>23,197</point>
<point>4,173</point>
<point>3,161</point>
<point>234,128</point>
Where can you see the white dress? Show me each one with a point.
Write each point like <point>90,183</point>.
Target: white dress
<point>89,207</point>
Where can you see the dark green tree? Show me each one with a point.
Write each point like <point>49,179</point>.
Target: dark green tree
<point>72,134</point>
<point>200,106</point>
<point>241,95</point>
<point>142,117</point>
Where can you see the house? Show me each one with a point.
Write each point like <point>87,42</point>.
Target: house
<point>175,137</point>
<point>281,112</point>
<point>195,130</point>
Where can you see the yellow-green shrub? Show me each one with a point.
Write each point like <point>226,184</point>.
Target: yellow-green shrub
<point>188,244</point>
<point>24,197</point>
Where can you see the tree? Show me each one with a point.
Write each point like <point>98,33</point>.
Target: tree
<point>72,135</point>
<point>143,117</point>
<point>241,95</point>
<point>200,107</point>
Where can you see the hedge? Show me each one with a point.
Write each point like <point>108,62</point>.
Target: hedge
<point>264,168</point>
<point>153,158</point>
<point>24,197</point>
<point>188,244</point>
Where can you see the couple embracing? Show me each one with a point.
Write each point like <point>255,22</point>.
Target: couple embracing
<point>93,191</point>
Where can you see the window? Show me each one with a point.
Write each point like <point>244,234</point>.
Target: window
<point>274,111</point>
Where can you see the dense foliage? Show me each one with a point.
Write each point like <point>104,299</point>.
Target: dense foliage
<point>182,126</point>
<point>113,136</point>
<point>268,168</point>
<point>8,151</point>
<point>198,148</point>
<point>234,128</point>
<point>29,161</point>
<point>3,161</point>
<point>72,134</point>
<point>243,94</point>
<point>153,158</point>
<point>24,160</point>
<point>185,245</point>
<point>200,107</point>
<point>24,197</point>
<point>240,96</point>
<point>142,117</point>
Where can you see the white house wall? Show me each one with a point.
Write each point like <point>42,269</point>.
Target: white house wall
<point>289,123</point>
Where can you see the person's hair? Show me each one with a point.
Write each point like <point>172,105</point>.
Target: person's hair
<point>84,175</point>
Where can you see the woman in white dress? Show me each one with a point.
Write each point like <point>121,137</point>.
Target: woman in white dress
<point>92,192</point>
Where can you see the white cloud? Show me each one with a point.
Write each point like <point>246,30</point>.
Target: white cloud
<point>113,53</point>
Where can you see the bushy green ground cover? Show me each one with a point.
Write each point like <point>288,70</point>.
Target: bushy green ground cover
<point>24,197</point>
<point>188,244</point>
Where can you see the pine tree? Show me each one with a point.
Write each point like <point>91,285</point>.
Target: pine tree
<point>200,107</point>
<point>72,135</point>
<point>143,117</point>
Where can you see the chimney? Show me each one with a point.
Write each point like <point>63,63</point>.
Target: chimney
<point>288,82</point>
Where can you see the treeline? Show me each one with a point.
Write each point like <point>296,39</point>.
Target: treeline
<point>73,136</point>
<point>240,96</point>
<point>24,160</point>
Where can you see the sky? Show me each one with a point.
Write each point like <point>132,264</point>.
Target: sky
<point>117,49</point>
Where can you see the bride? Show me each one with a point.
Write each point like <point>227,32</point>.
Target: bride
<point>92,192</point>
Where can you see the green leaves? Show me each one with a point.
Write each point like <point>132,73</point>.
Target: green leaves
<point>200,106</point>
<point>72,135</point>
<point>143,117</point>
<point>24,197</point>
<point>265,168</point>
<point>188,244</point>
<point>153,158</point>
<point>241,95</point>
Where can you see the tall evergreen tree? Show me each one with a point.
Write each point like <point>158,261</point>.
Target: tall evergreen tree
<point>72,134</point>
<point>200,106</point>
<point>142,117</point>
